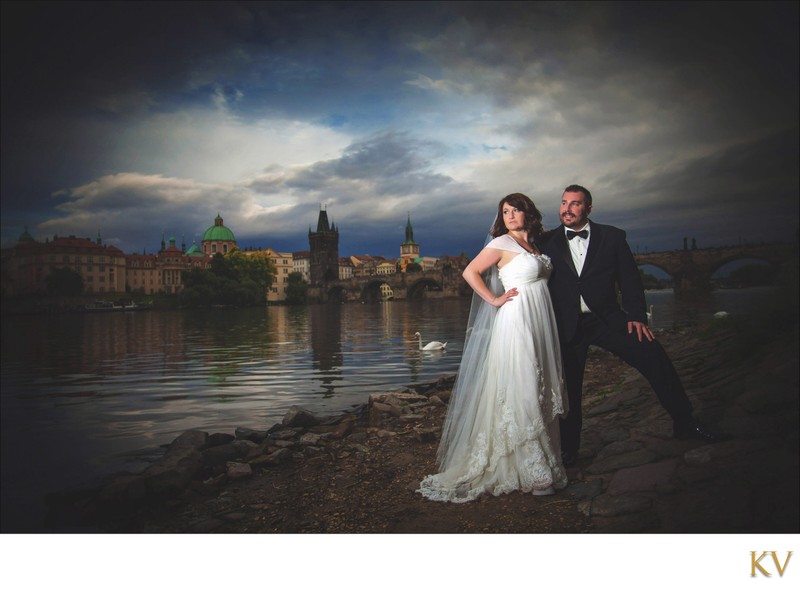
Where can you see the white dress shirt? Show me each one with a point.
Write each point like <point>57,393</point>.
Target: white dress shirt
<point>578,247</point>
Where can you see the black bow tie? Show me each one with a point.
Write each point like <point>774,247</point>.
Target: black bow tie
<point>584,234</point>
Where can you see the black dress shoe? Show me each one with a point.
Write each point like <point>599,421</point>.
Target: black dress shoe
<point>569,458</point>
<point>691,430</point>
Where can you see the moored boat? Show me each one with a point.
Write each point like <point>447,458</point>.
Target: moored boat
<point>105,306</point>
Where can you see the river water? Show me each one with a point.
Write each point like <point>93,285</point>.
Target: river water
<point>84,395</point>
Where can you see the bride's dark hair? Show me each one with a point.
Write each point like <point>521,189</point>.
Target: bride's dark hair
<point>533,218</point>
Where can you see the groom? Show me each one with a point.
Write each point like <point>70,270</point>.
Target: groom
<point>590,263</point>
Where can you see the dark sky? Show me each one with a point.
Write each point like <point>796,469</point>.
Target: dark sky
<point>138,119</point>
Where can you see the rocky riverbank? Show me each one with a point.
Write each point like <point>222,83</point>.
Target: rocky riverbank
<point>358,472</point>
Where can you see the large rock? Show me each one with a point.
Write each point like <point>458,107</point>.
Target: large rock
<point>237,470</point>
<point>627,460</point>
<point>284,434</point>
<point>309,439</point>
<point>262,449</point>
<point>300,417</point>
<point>277,457</point>
<point>436,401</point>
<point>344,428</point>
<point>181,462</point>
<point>391,409</point>
<point>217,439</point>
<point>658,477</point>
<point>375,417</point>
<point>250,434</point>
<point>219,455</point>
<point>235,450</point>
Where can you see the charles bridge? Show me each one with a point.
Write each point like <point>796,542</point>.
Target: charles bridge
<point>428,284</point>
<point>690,269</point>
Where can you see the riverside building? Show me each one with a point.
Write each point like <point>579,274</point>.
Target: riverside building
<point>29,262</point>
<point>105,269</point>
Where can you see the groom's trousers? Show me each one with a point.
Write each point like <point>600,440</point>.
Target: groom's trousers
<point>649,358</point>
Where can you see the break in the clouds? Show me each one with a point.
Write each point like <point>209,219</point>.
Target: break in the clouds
<point>137,120</point>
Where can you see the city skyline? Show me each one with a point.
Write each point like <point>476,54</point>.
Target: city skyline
<point>134,120</point>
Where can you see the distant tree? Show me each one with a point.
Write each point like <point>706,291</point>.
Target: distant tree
<point>296,289</point>
<point>200,288</point>
<point>255,268</point>
<point>64,282</point>
<point>219,266</point>
<point>234,279</point>
<point>413,267</point>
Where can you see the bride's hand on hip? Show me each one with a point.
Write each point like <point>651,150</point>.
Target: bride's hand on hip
<point>500,300</point>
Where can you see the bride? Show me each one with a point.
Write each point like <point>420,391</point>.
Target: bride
<point>501,431</point>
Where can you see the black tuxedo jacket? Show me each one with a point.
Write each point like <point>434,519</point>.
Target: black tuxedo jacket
<point>610,282</point>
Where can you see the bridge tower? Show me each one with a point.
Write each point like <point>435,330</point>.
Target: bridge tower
<point>324,244</point>
<point>409,249</point>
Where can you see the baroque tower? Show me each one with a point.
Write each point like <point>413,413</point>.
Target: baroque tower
<point>324,244</point>
<point>409,249</point>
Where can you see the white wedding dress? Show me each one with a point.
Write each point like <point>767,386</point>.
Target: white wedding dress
<point>501,434</point>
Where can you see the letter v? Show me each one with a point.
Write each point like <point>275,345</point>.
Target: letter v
<point>778,565</point>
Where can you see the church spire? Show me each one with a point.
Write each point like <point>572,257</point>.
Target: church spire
<point>409,230</point>
<point>409,249</point>
<point>322,222</point>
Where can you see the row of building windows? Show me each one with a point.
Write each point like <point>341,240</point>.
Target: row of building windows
<point>77,259</point>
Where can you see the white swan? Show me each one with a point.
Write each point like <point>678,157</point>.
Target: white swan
<point>431,346</point>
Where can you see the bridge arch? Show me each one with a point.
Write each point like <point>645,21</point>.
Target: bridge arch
<point>337,293</point>
<point>371,291</point>
<point>420,287</point>
<point>767,271</point>
<point>774,266</point>
<point>650,268</point>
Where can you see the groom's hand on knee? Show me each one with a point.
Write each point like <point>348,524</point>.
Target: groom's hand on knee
<point>641,330</point>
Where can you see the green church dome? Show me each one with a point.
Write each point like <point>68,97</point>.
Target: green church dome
<point>26,236</point>
<point>195,252</point>
<point>218,232</point>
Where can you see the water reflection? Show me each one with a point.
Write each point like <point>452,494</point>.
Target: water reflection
<point>90,394</point>
<point>326,344</point>
<point>689,310</point>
